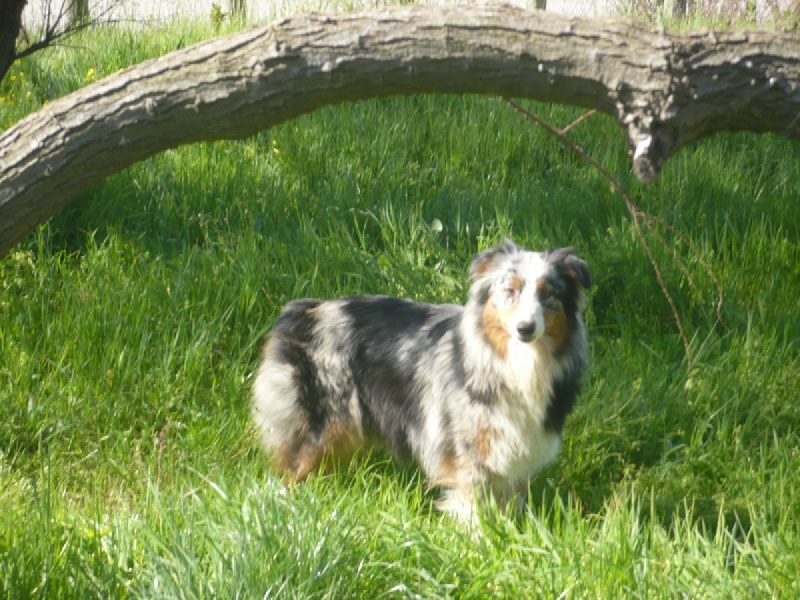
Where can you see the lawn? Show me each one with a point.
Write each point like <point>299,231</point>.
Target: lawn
<point>130,326</point>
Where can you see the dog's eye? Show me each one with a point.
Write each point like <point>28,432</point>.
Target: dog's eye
<point>509,295</point>
<point>551,302</point>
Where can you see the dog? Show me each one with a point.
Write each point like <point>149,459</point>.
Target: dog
<point>476,394</point>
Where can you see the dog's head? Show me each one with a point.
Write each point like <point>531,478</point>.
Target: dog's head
<point>526,295</point>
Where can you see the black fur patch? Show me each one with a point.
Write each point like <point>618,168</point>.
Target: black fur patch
<point>384,381</point>
<point>297,321</point>
<point>565,391</point>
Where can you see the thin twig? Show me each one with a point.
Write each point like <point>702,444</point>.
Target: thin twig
<point>578,121</point>
<point>54,33</point>
<point>709,271</point>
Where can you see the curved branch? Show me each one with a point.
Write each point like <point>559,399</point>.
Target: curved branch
<point>665,89</point>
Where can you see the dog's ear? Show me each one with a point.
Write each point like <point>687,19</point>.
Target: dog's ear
<point>491,257</point>
<point>571,265</point>
<point>579,271</point>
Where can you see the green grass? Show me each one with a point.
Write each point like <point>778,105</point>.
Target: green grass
<point>130,325</point>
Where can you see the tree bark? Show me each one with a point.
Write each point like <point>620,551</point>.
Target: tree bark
<point>666,89</point>
<point>10,26</point>
<point>78,12</point>
<point>237,9</point>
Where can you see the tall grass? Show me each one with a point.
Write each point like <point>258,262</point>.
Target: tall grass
<point>130,325</point>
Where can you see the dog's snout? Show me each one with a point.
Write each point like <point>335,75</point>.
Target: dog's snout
<point>526,330</point>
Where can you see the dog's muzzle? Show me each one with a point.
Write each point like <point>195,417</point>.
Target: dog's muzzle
<point>527,331</point>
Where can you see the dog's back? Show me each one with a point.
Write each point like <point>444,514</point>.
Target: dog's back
<point>338,373</point>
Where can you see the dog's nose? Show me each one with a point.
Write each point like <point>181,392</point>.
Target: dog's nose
<point>526,330</point>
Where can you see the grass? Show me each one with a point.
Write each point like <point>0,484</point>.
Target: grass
<point>130,325</point>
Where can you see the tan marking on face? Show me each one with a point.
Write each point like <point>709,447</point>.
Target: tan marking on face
<point>542,285</point>
<point>494,326</point>
<point>555,323</point>
<point>496,315</point>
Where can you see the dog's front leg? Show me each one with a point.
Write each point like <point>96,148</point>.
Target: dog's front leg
<point>462,500</point>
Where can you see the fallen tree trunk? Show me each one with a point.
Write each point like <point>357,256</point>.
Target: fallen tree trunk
<point>666,89</point>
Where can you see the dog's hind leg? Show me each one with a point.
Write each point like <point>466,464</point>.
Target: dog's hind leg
<point>285,427</point>
<point>302,422</point>
<point>296,458</point>
<point>335,445</point>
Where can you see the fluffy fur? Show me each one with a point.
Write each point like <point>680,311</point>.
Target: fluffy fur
<point>477,395</point>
